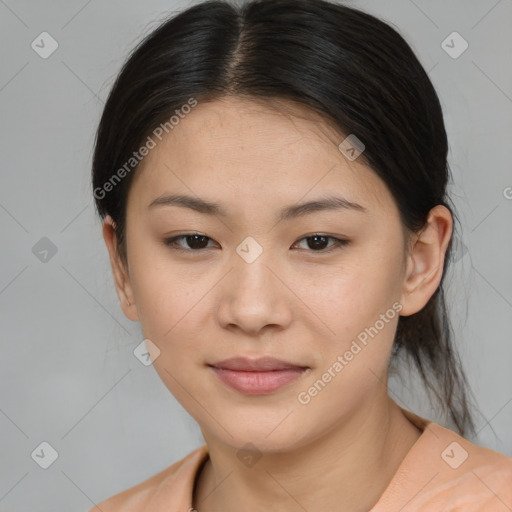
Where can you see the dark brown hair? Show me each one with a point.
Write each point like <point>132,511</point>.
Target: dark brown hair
<point>350,67</point>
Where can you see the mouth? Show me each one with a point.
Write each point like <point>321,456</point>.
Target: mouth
<point>257,376</point>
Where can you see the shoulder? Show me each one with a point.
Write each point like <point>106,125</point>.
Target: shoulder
<point>462,476</point>
<point>171,486</point>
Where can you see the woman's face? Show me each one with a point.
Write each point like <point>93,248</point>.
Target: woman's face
<point>257,285</point>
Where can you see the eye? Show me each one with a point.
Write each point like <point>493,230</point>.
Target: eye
<point>318,242</point>
<point>195,241</point>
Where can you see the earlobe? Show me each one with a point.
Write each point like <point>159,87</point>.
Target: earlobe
<point>425,261</point>
<point>119,271</point>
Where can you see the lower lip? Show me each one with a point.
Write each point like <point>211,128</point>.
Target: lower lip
<point>258,383</point>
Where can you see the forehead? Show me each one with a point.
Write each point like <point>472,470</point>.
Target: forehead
<point>256,150</point>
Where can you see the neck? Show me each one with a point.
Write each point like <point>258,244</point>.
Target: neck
<point>352,465</point>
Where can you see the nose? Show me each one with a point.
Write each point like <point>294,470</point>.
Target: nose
<point>252,297</point>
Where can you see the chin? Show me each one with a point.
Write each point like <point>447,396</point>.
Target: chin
<point>259,436</point>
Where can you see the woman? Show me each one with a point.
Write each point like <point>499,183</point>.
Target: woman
<point>272,183</point>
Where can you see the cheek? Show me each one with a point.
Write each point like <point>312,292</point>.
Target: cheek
<point>173,316</point>
<point>353,294</point>
<point>165,291</point>
<point>169,302</point>
<point>359,304</point>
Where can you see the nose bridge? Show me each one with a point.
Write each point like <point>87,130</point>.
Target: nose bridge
<point>252,296</point>
<point>251,261</point>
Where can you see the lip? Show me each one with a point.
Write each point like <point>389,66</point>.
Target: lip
<point>261,364</point>
<point>257,376</point>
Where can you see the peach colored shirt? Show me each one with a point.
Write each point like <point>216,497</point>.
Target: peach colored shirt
<point>442,472</point>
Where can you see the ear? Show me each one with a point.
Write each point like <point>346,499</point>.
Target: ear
<point>425,261</point>
<point>119,271</point>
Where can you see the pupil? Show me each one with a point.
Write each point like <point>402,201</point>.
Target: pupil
<point>195,238</point>
<point>316,238</point>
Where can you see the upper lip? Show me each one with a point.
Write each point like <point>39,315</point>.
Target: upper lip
<point>260,364</point>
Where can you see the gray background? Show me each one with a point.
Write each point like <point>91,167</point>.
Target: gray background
<point>69,376</point>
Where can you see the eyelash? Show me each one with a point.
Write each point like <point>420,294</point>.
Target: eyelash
<point>338,242</point>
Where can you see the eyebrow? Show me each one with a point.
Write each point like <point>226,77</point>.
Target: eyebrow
<point>289,212</point>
